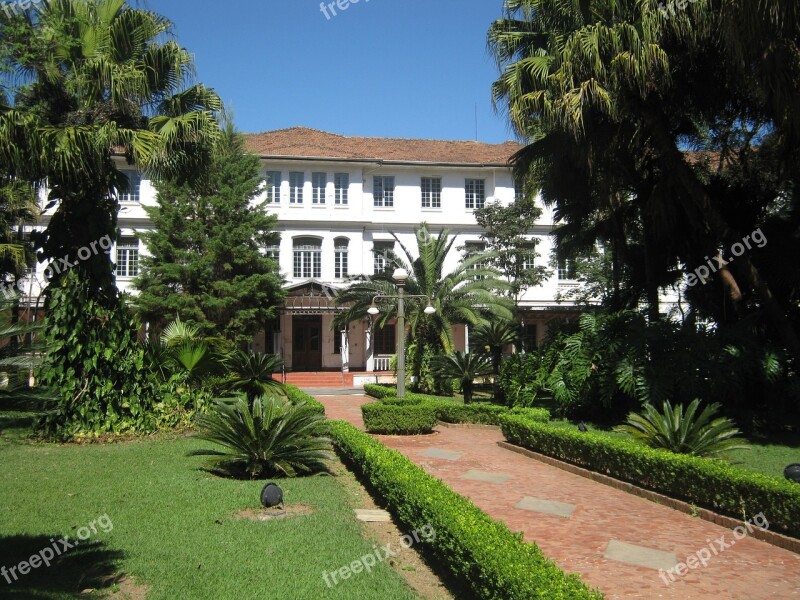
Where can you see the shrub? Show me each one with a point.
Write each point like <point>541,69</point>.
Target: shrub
<point>684,433</point>
<point>477,550</point>
<point>465,368</point>
<point>399,419</point>
<point>251,373</point>
<point>297,396</point>
<point>379,391</point>
<point>706,483</point>
<point>271,437</point>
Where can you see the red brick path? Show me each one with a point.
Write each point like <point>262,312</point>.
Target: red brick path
<point>749,570</point>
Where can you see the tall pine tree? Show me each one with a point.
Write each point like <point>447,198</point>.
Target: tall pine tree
<point>206,260</point>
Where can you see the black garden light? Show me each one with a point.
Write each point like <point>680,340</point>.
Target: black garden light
<point>271,496</point>
<point>582,427</point>
<point>792,472</point>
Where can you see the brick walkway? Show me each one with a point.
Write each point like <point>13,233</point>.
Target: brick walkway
<point>578,522</point>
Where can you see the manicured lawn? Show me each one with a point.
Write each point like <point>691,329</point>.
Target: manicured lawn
<point>173,525</point>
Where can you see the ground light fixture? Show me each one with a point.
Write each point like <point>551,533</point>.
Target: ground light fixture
<point>582,427</point>
<point>271,495</point>
<point>792,472</point>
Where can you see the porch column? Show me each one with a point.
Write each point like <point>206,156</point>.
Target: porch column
<point>345,351</point>
<point>369,351</point>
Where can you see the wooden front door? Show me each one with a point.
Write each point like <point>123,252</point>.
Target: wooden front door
<point>307,343</point>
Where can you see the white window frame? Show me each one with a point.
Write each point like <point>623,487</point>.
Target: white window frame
<point>127,257</point>
<point>295,190</point>
<point>341,258</point>
<point>319,185</point>
<point>342,188</point>
<point>133,194</point>
<point>383,191</point>
<point>274,180</point>
<point>475,193</point>
<point>431,192</point>
<point>380,261</point>
<point>307,258</point>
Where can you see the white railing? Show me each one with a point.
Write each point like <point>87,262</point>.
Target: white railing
<point>382,363</point>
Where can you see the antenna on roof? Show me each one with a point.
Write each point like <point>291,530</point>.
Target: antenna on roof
<point>476,121</point>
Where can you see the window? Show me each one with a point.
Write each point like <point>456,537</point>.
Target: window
<point>529,337</point>
<point>431,192</point>
<point>519,190</point>
<point>296,183</point>
<point>381,251</point>
<point>337,342</point>
<point>383,191</point>
<point>340,257</point>
<point>470,250</point>
<point>132,193</point>
<point>128,257</point>
<point>567,269</point>
<point>529,260</point>
<point>273,187</point>
<point>273,251</point>
<point>342,185</point>
<point>320,182</point>
<point>385,339</point>
<point>307,258</point>
<point>476,193</point>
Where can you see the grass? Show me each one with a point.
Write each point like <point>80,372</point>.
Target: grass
<point>173,525</point>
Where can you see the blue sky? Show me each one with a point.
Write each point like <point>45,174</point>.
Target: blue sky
<point>389,68</point>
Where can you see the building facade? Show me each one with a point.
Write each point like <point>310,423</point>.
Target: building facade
<point>340,201</point>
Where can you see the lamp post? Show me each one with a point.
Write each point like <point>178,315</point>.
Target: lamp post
<point>401,276</point>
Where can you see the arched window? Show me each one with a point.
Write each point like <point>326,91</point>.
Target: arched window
<point>341,248</point>
<point>307,258</point>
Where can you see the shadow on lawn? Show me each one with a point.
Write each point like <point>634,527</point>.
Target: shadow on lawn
<point>87,566</point>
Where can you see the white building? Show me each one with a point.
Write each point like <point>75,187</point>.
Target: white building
<point>338,200</point>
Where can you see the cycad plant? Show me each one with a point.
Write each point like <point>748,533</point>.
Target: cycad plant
<point>464,367</point>
<point>251,373</point>
<point>703,434</point>
<point>272,437</point>
<point>492,337</point>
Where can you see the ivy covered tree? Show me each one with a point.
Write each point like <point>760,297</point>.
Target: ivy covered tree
<point>207,261</point>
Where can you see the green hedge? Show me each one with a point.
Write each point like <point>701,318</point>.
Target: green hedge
<point>710,484</point>
<point>399,420</point>
<point>478,551</point>
<point>451,411</point>
<point>296,395</point>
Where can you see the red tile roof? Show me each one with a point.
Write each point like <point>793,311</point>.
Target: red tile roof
<point>301,142</point>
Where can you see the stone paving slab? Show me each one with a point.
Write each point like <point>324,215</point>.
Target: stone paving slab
<point>548,507</point>
<point>486,477</point>
<point>751,570</point>
<point>372,515</point>
<point>443,454</point>
<point>640,556</point>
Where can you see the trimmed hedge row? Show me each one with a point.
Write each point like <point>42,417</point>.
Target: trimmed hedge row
<point>296,395</point>
<point>450,411</point>
<point>409,419</point>
<point>706,483</point>
<point>482,553</point>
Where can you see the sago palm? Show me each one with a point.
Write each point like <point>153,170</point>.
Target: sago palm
<point>251,373</point>
<point>701,434</point>
<point>272,437</point>
<point>491,337</point>
<point>466,368</point>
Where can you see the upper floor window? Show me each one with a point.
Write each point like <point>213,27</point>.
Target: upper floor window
<point>381,251</point>
<point>519,189</point>
<point>128,257</point>
<point>474,249</point>
<point>307,258</point>
<point>296,183</point>
<point>567,269</point>
<point>273,187</point>
<point>340,267</point>
<point>273,251</point>
<point>431,192</point>
<point>319,183</point>
<point>134,187</point>
<point>476,193</point>
<point>383,191</point>
<point>342,186</point>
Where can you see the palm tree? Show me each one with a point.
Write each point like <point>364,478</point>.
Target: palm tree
<point>468,294</point>
<point>464,367</point>
<point>90,80</point>
<point>491,337</point>
<point>588,72</point>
